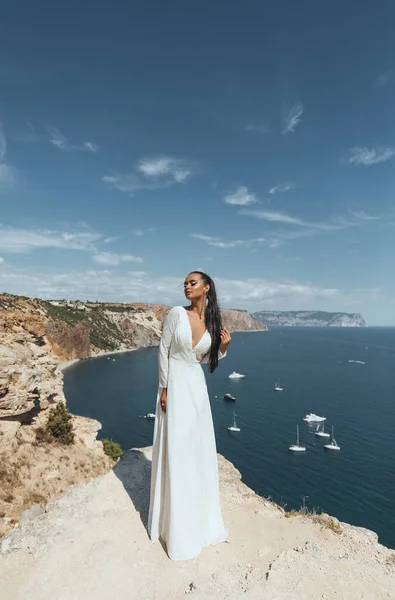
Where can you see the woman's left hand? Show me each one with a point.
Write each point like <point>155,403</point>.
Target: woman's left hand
<point>225,340</point>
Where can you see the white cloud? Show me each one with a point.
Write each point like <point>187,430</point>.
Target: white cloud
<point>369,156</point>
<point>363,216</point>
<point>269,215</point>
<point>282,187</point>
<point>281,217</point>
<point>293,118</point>
<point>206,238</point>
<point>257,129</point>
<point>18,240</point>
<point>15,240</point>
<point>131,183</point>
<point>177,169</point>
<point>142,232</point>
<point>384,79</point>
<point>151,174</point>
<point>91,147</point>
<point>7,172</point>
<point>104,285</point>
<point>240,197</point>
<point>111,259</point>
<point>261,290</point>
<point>219,243</point>
<point>60,141</point>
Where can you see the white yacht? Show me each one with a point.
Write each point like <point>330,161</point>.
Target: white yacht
<point>235,375</point>
<point>320,431</point>
<point>229,397</point>
<point>297,447</point>
<point>234,426</point>
<point>150,416</point>
<point>333,445</point>
<point>277,386</point>
<point>312,418</point>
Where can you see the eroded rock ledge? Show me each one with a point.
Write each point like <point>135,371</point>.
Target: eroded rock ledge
<point>93,544</point>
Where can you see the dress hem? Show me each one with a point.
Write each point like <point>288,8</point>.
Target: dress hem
<point>219,540</point>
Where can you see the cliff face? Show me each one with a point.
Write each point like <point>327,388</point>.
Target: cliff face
<point>241,320</point>
<point>79,329</point>
<point>29,379</point>
<point>34,472</point>
<point>310,318</point>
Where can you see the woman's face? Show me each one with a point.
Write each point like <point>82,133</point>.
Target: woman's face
<point>194,286</point>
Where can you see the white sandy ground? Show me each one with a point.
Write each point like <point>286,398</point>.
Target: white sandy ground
<point>92,544</point>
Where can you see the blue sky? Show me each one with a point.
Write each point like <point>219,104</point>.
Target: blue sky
<point>255,141</point>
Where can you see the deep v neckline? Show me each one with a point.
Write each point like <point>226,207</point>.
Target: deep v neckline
<point>190,329</point>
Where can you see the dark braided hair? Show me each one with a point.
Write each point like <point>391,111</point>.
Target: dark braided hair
<point>213,320</point>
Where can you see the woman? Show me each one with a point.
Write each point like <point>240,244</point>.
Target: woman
<point>185,509</point>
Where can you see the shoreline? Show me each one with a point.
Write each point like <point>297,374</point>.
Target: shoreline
<point>64,365</point>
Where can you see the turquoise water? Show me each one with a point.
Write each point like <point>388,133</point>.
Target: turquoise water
<point>356,485</point>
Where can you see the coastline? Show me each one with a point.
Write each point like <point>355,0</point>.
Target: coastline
<point>64,365</point>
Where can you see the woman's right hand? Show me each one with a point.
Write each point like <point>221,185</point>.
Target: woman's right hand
<point>163,399</point>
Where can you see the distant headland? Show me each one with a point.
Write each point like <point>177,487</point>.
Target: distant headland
<point>309,318</point>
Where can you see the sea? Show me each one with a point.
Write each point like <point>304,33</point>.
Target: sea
<point>344,374</point>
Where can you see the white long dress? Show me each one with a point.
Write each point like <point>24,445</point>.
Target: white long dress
<point>185,509</point>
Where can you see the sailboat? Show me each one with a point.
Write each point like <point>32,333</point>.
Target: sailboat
<point>321,432</point>
<point>297,447</point>
<point>277,387</point>
<point>234,426</point>
<point>333,445</point>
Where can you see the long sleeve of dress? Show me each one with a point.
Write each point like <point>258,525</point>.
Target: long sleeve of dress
<point>164,346</point>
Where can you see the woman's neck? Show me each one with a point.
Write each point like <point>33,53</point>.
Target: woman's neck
<point>196,307</point>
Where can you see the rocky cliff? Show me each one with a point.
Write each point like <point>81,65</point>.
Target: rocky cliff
<point>33,472</point>
<point>80,329</point>
<point>310,318</point>
<point>93,544</point>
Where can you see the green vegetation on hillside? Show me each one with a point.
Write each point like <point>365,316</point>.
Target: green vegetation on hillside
<point>112,449</point>
<point>58,427</point>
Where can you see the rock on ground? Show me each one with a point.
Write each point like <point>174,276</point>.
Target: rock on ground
<point>92,544</point>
